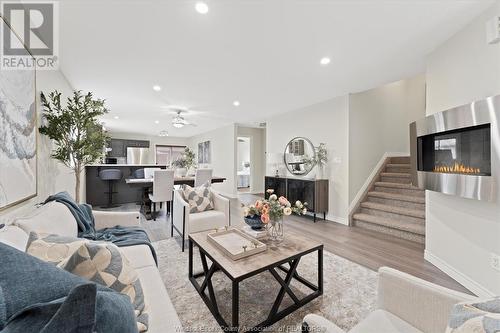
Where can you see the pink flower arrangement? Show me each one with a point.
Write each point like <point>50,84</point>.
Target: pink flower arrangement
<point>274,208</point>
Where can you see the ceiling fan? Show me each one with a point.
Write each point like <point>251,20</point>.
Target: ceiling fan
<point>179,121</point>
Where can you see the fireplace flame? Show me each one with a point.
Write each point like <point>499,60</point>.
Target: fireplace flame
<point>457,168</point>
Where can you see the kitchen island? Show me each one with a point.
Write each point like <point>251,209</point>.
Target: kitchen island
<point>124,193</point>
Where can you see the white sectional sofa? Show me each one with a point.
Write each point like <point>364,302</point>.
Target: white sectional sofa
<point>55,218</point>
<point>406,304</point>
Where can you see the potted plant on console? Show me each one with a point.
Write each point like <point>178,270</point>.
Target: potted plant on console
<point>75,129</point>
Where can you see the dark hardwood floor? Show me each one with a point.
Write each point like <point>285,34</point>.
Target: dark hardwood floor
<point>368,248</point>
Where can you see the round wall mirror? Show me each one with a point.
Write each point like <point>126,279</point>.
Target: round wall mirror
<point>299,156</point>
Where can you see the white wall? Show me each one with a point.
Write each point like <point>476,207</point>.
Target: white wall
<point>258,156</point>
<point>378,123</point>
<point>223,146</point>
<point>153,141</point>
<point>325,122</point>
<point>52,175</point>
<point>460,233</point>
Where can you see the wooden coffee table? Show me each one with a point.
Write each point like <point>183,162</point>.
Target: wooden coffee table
<point>290,252</point>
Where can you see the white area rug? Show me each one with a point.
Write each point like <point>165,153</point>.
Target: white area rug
<point>349,292</point>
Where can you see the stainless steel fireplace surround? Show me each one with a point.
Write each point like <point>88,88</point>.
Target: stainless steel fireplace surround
<point>457,151</point>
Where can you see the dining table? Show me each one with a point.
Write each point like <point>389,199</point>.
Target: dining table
<point>188,180</point>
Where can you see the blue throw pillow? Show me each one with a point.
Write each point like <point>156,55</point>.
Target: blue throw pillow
<point>75,313</point>
<point>29,284</point>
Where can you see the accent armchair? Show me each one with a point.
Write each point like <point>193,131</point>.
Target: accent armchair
<point>406,304</point>
<point>185,223</point>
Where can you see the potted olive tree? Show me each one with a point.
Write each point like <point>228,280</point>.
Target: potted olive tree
<point>75,129</point>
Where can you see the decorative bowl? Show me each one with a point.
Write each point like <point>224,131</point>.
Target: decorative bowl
<point>254,222</point>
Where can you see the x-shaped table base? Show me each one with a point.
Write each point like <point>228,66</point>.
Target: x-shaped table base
<point>275,314</point>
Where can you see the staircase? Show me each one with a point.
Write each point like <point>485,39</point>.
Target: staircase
<point>392,205</point>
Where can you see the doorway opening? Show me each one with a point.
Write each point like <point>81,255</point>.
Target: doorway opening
<point>244,164</point>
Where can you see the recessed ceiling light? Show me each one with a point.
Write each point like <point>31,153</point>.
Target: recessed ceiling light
<point>201,7</point>
<point>116,117</point>
<point>157,121</point>
<point>236,103</point>
<point>324,61</point>
<point>156,88</point>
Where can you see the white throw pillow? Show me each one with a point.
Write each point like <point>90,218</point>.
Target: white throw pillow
<point>53,248</point>
<point>51,218</point>
<point>14,236</point>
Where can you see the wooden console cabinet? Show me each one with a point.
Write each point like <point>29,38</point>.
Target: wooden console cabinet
<point>312,191</point>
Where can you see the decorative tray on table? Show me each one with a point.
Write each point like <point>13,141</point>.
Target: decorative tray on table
<point>236,244</point>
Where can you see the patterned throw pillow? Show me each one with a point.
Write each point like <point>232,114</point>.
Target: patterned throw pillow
<point>100,262</point>
<point>103,263</point>
<point>52,248</point>
<point>478,317</point>
<point>198,198</point>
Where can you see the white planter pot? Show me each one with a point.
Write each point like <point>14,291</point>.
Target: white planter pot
<point>181,172</point>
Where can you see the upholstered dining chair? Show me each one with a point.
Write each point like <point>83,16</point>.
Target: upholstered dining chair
<point>202,176</point>
<point>149,172</point>
<point>184,222</point>
<point>163,187</point>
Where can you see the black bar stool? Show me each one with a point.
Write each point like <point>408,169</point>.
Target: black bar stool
<point>110,175</point>
<point>143,191</point>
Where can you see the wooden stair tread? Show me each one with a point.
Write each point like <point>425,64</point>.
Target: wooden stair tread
<point>394,209</point>
<point>395,174</point>
<point>397,196</point>
<point>416,228</point>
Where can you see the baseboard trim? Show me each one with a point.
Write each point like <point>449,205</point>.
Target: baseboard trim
<point>458,276</point>
<point>330,218</point>
<point>338,219</point>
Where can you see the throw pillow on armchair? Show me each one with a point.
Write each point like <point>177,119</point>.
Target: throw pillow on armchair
<point>198,198</point>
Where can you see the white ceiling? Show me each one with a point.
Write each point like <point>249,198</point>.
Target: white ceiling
<point>264,53</point>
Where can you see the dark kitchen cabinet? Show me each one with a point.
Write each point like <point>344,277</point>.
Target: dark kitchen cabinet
<point>137,143</point>
<point>312,191</point>
<point>118,148</point>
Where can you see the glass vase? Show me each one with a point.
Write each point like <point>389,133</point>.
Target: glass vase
<point>275,230</point>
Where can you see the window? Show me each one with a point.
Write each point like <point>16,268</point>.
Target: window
<point>165,155</point>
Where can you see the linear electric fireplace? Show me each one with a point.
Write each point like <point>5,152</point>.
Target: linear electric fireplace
<point>457,150</point>
<point>465,151</point>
